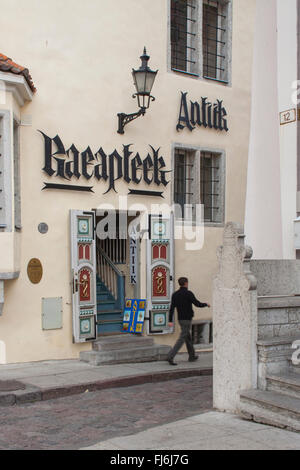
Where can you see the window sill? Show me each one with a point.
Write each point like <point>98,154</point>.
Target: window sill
<point>193,223</point>
<point>225,83</point>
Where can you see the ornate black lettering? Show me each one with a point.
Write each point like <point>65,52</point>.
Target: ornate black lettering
<point>184,119</point>
<point>102,165</point>
<point>147,165</point>
<point>75,163</point>
<point>127,154</point>
<point>86,158</point>
<point>136,164</point>
<point>112,158</point>
<point>48,152</point>
<point>195,114</point>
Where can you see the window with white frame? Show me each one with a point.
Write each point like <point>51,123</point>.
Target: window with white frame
<point>17,189</point>
<point>9,173</point>
<point>2,195</point>
<point>200,32</point>
<point>185,181</point>
<point>199,178</point>
<point>184,36</point>
<point>211,186</point>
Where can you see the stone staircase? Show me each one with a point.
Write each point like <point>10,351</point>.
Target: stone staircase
<point>277,400</point>
<point>124,349</point>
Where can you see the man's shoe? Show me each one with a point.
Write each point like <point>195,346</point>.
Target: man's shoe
<point>171,362</point>
<point>193,359</point>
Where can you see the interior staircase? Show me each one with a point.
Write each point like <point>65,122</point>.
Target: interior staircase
<point>109,311</point>
<point>276,401</point>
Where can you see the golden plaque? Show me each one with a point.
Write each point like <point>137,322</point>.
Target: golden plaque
<point>35,270</point>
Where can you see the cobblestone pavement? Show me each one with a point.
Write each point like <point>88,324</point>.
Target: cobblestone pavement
<point>83,420</point>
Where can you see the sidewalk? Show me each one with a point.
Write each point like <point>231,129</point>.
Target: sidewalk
<point>37,381</point>
<point>208,431</point>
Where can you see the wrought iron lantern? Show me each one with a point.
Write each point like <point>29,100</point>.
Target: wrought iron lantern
<point>144,79</point>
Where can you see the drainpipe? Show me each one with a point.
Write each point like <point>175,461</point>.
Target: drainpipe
<point>1,296</point>
<point>298,110</point>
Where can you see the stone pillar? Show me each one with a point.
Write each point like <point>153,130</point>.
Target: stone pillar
<point>235,321</point>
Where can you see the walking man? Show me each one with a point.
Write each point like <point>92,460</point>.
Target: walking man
<point>183,299</point>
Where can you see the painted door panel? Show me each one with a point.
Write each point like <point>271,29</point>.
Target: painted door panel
<point>83,265</point>
<point>160,273</point>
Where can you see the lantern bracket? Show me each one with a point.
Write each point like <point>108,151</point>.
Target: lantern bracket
<point>143,86</point>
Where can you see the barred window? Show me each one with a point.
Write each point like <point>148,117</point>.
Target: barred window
<point>199,178</point>
<point>183,35</point>
<point>214,40</point>
<point>210,186</point>
<point>200,38</point>
<point>184,179</point>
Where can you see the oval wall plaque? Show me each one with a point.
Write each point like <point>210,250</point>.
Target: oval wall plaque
<point>35,270</point>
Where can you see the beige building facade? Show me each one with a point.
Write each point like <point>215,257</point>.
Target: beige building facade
<point>64,167</point>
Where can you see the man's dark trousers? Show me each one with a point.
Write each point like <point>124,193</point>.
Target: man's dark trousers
<point>185,337</point>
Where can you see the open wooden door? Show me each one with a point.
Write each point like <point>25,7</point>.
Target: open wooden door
<point>83,265</point>
<point>160,273</point>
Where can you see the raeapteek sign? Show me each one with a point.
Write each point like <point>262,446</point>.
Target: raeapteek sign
<point>204,114</point>
<point>70,163</point>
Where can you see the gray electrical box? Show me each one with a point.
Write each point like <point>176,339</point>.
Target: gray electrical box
<point>52,313</point>
<point>297,233</point>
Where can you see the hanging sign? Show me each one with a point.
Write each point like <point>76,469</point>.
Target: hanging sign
<point>133,260</point>
<point>134,315</point>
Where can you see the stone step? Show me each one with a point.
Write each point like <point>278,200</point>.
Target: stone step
<point>287,383</point>
<point>125,356</point>
<point>279,302</point>
<point>125,341</point>
<point>295,369</point>
<point>272,408</point>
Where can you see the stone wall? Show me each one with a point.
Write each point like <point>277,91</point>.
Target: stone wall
<point>278,317</point>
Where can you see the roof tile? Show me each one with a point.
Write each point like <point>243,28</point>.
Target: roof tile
<point>7,65</point>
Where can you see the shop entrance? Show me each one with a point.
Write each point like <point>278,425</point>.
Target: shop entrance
<point>113,280</point>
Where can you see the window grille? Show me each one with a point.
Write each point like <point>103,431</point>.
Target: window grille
<point>200,38</point>
<point>183,35</point>
<point>210,186</point>
<point>184,179</point>
<point>214,40</point>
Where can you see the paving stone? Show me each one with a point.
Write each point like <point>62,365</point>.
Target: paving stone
<point>11,385</point>
<point>82,420</point>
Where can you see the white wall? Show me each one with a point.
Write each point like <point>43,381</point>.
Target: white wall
<point>263,221</point>
<point>287,74</point>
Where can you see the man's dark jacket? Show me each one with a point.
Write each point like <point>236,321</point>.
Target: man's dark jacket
<point>183,299</point>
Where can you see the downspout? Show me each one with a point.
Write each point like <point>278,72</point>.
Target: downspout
<point>298,107</point>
